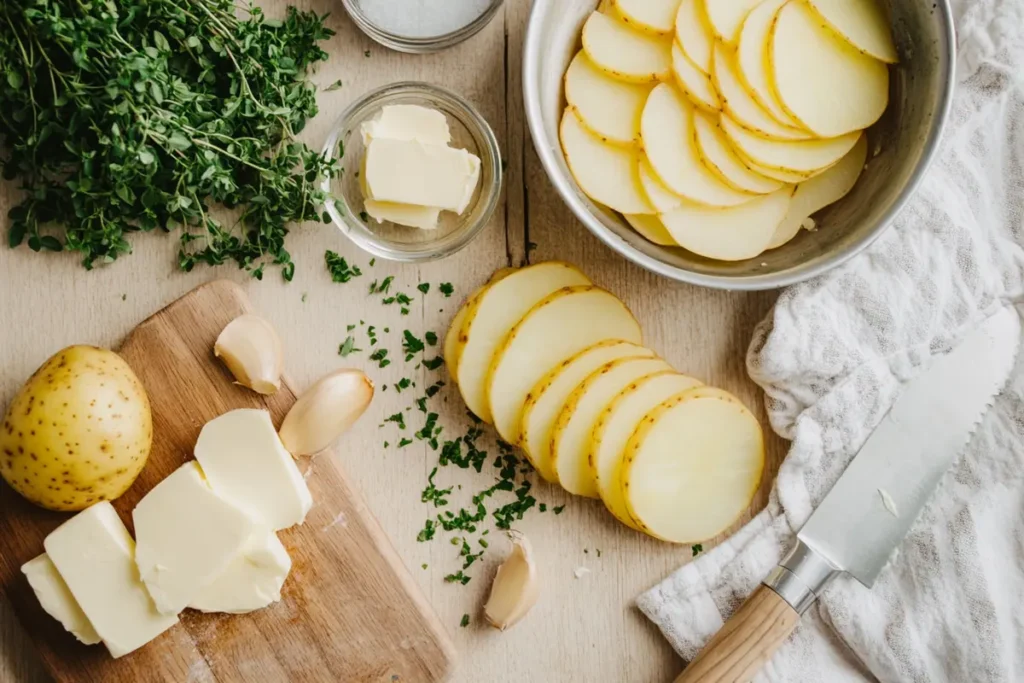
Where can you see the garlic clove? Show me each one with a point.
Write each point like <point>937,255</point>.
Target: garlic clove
<point>516,586</point>
<point>251,350</point>
<point>325,411</point>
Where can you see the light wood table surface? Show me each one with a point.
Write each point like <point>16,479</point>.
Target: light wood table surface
<point>584,629</point>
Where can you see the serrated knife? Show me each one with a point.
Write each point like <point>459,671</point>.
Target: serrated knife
<point>871,508</point>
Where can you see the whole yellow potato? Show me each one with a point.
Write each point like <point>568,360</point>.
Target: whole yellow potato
<point>78,432</point>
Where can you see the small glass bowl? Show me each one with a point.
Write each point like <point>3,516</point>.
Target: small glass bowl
<point>470,131</point>
<point>419,44</point>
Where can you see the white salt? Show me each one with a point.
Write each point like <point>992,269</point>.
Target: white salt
<point>422,18</point>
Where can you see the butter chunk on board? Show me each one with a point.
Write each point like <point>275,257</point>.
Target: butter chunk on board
<point>252,581</point>
<point>186,536</point>
<point>95,556</point>
<point>424,174</point>
<point>56,598</point>
<point>247,465</point>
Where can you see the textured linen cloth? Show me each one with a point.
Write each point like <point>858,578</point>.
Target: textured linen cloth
<point>831,357</point>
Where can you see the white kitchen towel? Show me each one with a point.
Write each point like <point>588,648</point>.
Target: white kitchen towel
<point>831,357</point>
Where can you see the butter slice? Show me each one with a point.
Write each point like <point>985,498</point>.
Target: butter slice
<point>95,556</point>
<point>247,465</point>
<point>423,217</point>
<point>56,598</point>
<point>424,174</point>
<point>186,537</point>
<point>252,581</point>
<point>409,122</point>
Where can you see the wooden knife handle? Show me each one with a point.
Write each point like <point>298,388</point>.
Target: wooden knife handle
<point>746,642</point>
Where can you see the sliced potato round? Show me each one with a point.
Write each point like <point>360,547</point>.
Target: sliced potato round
<point>739,103</point>
<point>666,129</point>
<point>570,441</point>
<point>717,154</point>
<point>862,23</point>
<point>752,60</point>
<point>650,228</point>
<point>617,423</point>
<point>731,234</point>
<point>778,174</point>
<point>694,34</point>
<point>726,17</point>
<point>660,197</point>
<point>624,53</point>
<point>453,344</point>
<point>545,401</point>
<point>493,316</point>
<point>608,107</point>
<point>693,466</point>
<point>823,82</point>
<point>561,325</point>
<point>821,191</point>
<point>652,16</point>
<point>796,156</point>
<point>694,83</point>
<point>606,173</point>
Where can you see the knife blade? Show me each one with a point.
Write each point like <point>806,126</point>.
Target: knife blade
<point>873,505</point>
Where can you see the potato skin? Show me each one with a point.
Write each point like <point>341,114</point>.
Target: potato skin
<point>79,431</point>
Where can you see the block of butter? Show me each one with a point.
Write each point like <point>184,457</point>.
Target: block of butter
<point>248,466</point>
<point>409,122</point>
<point>95,556</point>
<point>421,173</point>
<point>252,581</point>
<point>186,536</point>
<point>56,598</point>
<point>409,172</point>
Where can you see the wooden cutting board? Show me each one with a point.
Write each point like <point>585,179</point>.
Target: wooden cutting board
<point>350,610</point>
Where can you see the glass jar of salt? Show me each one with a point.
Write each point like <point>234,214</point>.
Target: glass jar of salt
<point>420,26</point>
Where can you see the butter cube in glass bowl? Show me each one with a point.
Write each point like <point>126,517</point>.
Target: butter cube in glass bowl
<point>349,143</point>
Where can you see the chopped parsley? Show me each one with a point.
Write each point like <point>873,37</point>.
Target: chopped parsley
<point>433,363</point>
<point>404,442</point>
<point>339,268</point>
<point>434,388</point>
<point>380,357</point>
<point>434,495</point>
<point>431,338</point>
<point>697,549</point>
<point>404,383</point>
<point>364,217</point>
<point>465,621</point>
<point>458,577</point>
<point>383,287</point>
<point>348,346</point>
<point>411,344</point>
<point>446,288</point>
<point>333,86</point>
<point>398,419</point>
<point>423,287</point>
<point>558,509</point>
<point>427,533</point>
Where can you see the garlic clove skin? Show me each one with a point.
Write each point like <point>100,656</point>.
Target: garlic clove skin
<point>516,586</point>
<point>325,411</point>
<point>252,351</point>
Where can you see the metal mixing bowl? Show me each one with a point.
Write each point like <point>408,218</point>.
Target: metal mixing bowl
<point>902,145</point>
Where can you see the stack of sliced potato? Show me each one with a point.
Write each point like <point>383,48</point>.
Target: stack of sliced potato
<point>721,125</point>
<point>557,365</point>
